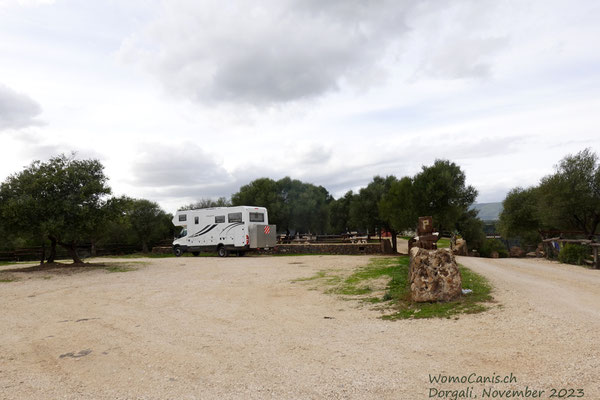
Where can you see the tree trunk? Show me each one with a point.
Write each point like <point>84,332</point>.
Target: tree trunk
<point>43,254</point>
<point>93,248</point>
<point>73,253</point>
<point>595,224</point>
<point>52,255</point>
<point>394,240</point>
<point>144,247</point>
<point>72,250</point>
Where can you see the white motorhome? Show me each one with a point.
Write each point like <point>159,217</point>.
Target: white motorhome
<point>224,230</point>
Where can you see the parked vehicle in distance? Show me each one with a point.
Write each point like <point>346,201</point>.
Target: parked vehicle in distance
<point>224,230</point>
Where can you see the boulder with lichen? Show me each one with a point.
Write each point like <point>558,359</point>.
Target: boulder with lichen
<point>434,275</point>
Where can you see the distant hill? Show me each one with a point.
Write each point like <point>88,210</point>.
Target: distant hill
<point>488,211</point>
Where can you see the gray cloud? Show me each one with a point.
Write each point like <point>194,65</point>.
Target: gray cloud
<point>37,147</point>
<point>173,173</point>
<point>459,40</point>
<point>407,159</point>
<point>315,154</point>
<point>266,52</point>
<point>183,165</point>
<point>462,57</point>
<point>278,51</point>
<point>493,194</point>
<point>17,110</point>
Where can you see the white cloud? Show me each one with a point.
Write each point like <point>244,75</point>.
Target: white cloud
<point>27,3</point>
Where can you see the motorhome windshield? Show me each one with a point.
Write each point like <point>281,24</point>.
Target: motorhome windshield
<point>182,234</point>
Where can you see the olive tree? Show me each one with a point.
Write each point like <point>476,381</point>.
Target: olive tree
<point>63,199</point>
<point>570,198</point>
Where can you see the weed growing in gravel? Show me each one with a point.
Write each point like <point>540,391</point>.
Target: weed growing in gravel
<point>327,279</point>
<point>125,267</point>
<point>318,275</point>
<point>158,255</point>
<point>2,263</point>
<point>118,268</point>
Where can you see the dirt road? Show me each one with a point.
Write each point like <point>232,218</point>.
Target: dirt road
<point>210,328</point>
<point>559,290</point>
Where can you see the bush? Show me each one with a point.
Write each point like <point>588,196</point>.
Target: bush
<point>491,245</point>
<point>572,253</point>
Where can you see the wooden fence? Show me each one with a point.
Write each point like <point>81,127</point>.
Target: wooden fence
<point>549,248</point>
<point>84,251</point>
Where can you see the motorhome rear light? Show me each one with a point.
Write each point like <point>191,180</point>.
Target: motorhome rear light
<point>247,240</point>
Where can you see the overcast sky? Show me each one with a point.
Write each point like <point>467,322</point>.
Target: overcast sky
<point>184,99</point>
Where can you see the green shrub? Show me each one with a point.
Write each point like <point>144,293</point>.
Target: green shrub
<point>491,245</point>
<point>573,253</point>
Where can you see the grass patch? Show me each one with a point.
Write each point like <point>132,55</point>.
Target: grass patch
<point>327,279</point>
<point>8,280</point>
<point>396,302</point>
<point>122,267</point>
<point>355,284</point>
<point>303,254</point>
<point>318,275</point>
<point>146,255</point>
<point>17,262</point>
<point>7,263</point>
<point>443,243</point>
<point>119,268</point>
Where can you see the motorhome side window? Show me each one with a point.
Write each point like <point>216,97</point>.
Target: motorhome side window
<point>219,219</point>
<point>234,217</point>
<point>257,217</point>
<point>196,220</point>
<point>182,217</point>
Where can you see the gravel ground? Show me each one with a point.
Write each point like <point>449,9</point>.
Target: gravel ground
<point>239,328</point>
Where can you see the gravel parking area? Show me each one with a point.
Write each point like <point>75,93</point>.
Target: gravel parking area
<point>240,328</point>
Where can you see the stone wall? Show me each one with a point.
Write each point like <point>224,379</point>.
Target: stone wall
<point>162,249</point>
<point>313,248</point>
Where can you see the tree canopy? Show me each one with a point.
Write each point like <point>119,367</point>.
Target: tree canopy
<point>339,214</point>
<point>148,221</point>
<point>67,202</point>
<point>441,191</point>
<point>207,203</point>
<point>63,199</point>
<point>568,199</point>
<point>292,204</point>
<point>397,205</point>
<point>364,210</point>
<point>520,217</point>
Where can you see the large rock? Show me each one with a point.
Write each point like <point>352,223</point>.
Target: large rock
<point>539,251</point>
<point>517,252</point>
<point>460,248</point>
<point>434,275</point>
